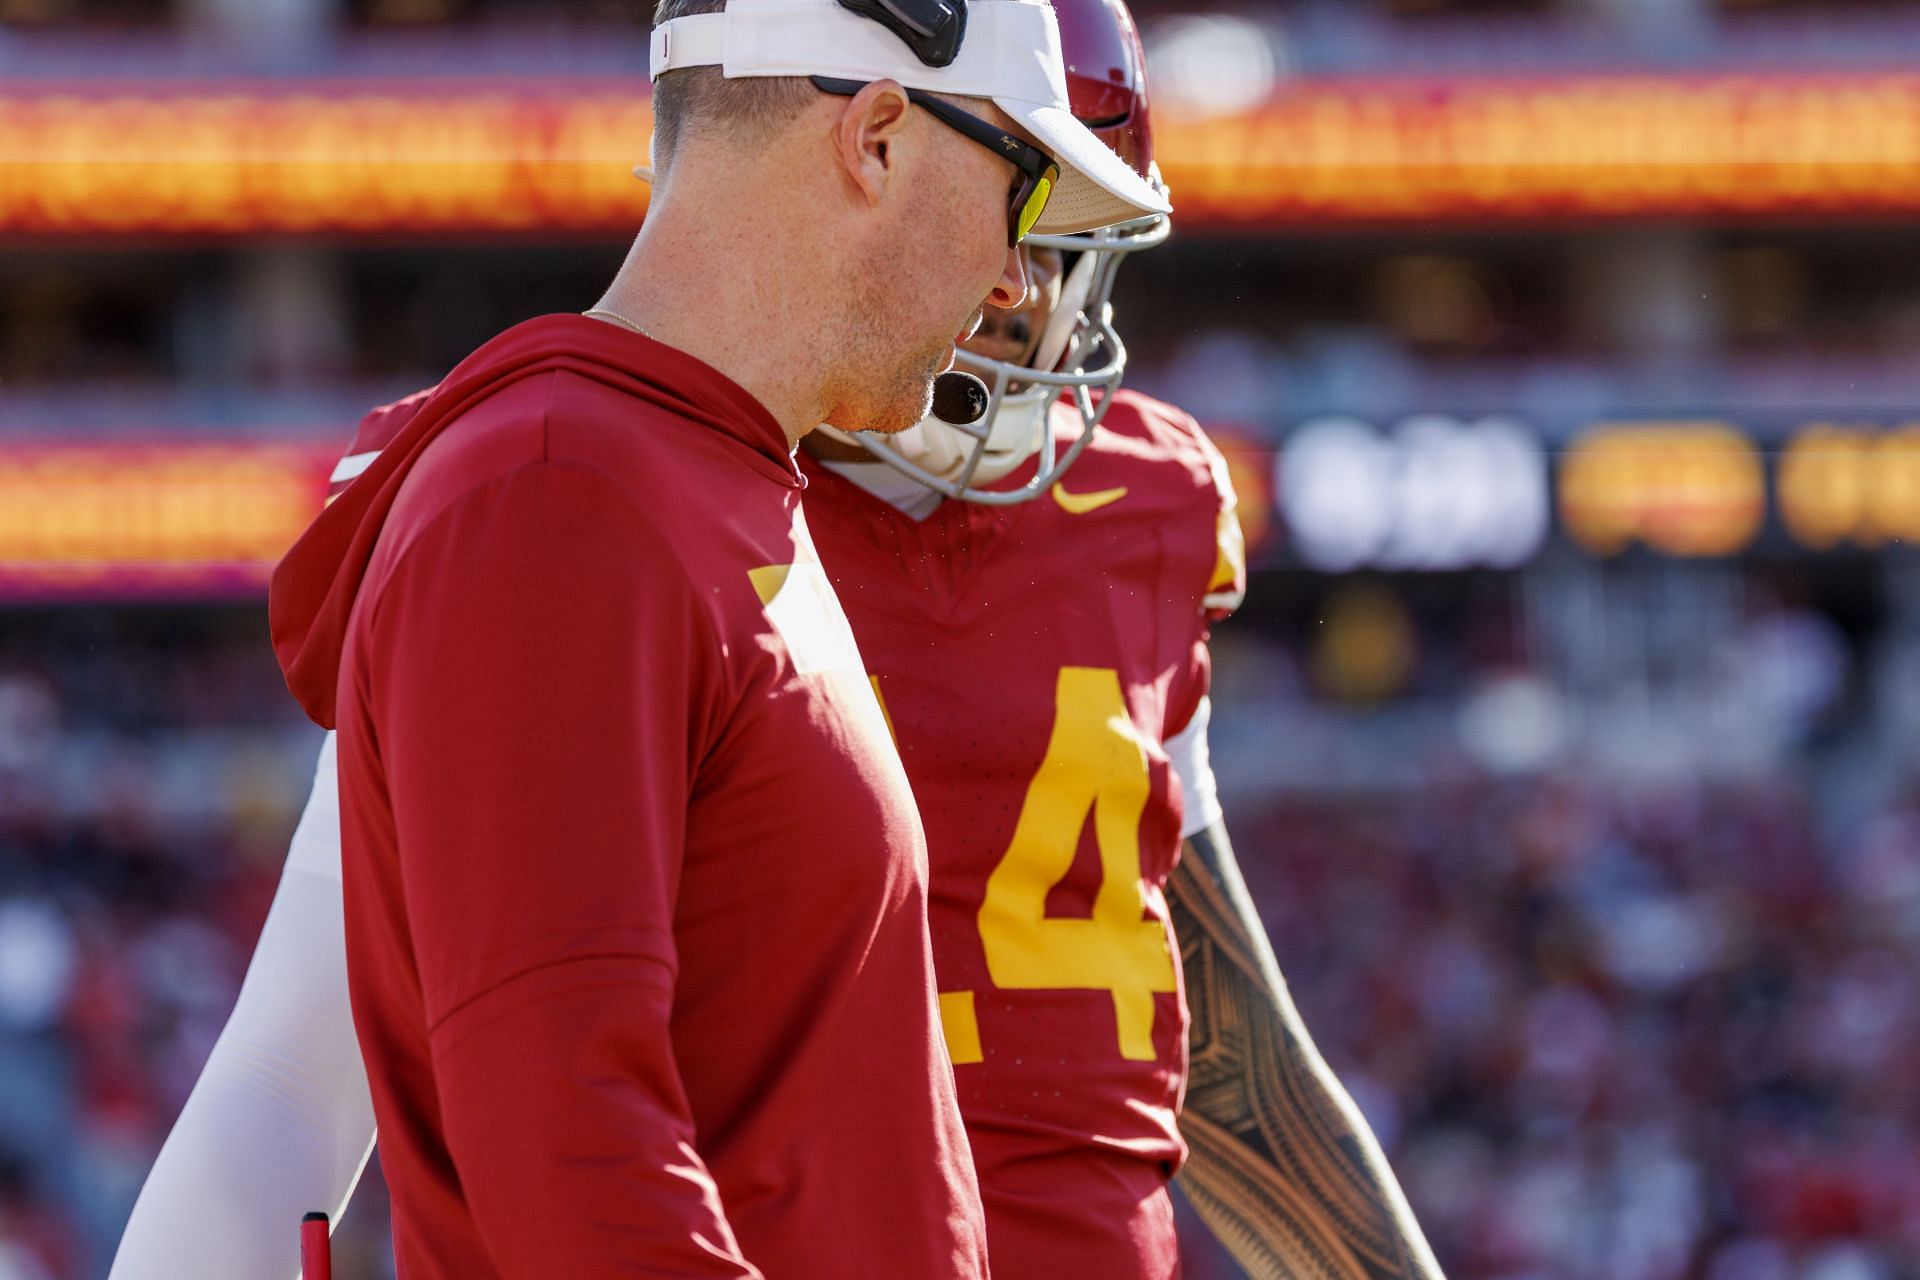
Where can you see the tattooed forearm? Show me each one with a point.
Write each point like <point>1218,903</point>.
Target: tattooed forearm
<point>1283,1167</point>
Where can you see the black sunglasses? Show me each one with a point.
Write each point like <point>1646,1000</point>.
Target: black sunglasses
<point>1038,172</point>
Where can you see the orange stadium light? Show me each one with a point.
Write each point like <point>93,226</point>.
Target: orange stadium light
<point>322,157</point>
<point>80,520</point>
<point>1851,484</point>
<point>554,155</point>
<point>1602,146</point>
<point>1685,488</point>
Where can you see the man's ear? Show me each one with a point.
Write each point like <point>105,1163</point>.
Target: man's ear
<point>865,135</point>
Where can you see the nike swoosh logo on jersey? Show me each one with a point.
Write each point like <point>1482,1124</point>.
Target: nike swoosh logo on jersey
<point>1080,503</point>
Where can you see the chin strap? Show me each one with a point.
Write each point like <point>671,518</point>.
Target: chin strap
<point>1074,291</point>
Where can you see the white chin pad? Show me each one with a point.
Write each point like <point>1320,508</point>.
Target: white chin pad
<point>945,451</point>
<point>1011,440</point>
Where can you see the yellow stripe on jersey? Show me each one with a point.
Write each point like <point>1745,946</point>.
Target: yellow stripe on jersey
<point>768,579</point>
<point>961,1028</point>
<point>1227,588</point>
<point>884,713</point>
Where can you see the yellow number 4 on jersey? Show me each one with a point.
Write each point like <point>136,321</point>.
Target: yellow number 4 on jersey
<point>1094,763</point>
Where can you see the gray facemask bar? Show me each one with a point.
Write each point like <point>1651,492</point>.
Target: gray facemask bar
<point>1093,337</point>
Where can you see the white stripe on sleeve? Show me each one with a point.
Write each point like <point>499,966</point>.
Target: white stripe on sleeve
<point>1193,765</point>
<point>352,465</point>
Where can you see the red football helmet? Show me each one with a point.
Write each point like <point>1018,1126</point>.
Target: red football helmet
<point>1107,76</point>
<point>1079,353</point>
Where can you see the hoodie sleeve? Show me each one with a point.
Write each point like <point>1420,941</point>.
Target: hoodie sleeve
<point>540,678</point>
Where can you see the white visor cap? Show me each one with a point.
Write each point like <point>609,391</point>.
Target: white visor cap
<point>1011,55</point>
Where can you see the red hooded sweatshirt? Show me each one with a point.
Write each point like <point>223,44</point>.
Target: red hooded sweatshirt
<point>635,888</point>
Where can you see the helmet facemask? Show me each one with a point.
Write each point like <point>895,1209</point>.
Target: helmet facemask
<point>1077,366</point>
<point>1078,363</point>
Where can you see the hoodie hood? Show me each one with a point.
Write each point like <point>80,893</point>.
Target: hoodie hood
<point>312,594</point>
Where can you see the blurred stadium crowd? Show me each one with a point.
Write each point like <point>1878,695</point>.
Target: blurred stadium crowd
<point>1612,1027</point>
<point>1578,794</point>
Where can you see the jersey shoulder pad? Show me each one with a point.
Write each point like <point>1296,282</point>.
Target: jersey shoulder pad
<point>1181,435</point>
<point>1168,429</point>
<point>374,433</point>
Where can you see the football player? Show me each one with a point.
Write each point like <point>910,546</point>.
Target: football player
<point>1032,596</point>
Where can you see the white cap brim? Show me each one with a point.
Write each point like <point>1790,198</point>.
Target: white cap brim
<point>1096,188</point>
<point>1011,56</point>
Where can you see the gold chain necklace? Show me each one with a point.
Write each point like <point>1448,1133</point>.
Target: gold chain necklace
<point>617,318</point>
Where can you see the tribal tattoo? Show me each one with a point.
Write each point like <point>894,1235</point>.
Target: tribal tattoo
<point>1283,1167</point>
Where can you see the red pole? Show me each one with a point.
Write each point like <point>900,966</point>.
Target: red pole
<point>316,1248</point>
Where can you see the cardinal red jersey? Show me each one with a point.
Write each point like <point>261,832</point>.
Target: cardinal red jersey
<point>1032,660</point>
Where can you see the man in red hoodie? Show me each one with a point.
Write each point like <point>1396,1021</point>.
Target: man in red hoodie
<point>634,887</point>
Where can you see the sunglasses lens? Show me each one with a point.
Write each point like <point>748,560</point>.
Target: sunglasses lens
<point>1036,201</point>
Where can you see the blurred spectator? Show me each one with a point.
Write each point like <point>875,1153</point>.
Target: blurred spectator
<point>126,915</point>
<point>1646,1028</point>
<point>1625,1034</point>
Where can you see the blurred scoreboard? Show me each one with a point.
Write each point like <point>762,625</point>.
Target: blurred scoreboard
<point>506,155</point>
<point>1378,150</point>
<point>321,155</point>
<point>152,520</point>
<point>528,158</point>
<point>1438,493</point>
<point>1431,493</point>
<point>1851,485</point>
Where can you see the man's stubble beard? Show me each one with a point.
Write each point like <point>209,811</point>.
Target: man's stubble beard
<point>898,395</point>
<point>899,399</point>
<point>885,398</point>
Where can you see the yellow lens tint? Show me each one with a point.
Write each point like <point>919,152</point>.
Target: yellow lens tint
<point>1037,202</point>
